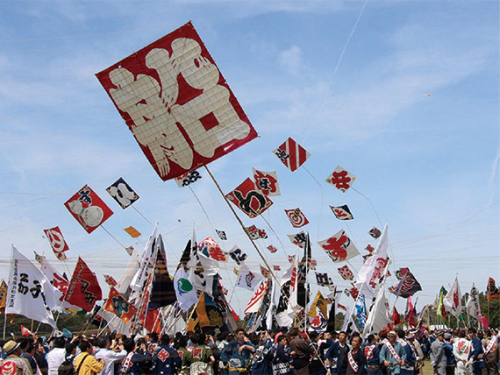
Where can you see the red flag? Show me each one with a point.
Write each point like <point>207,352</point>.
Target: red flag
<point>396,318</point>
<point>57,242</point>
<point>491,289</point>
<point>84,290</point>
<point>110,280</point>
<point>411,315</point>
<point>88,209</point>
<point>249,199</point>
<point>296,217</point>
<point>26,332</point>
<point>118,305</point>
<point>291,154</point>
<point>177,104</point>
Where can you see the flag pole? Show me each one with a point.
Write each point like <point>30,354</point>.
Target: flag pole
<point>4,324</point>
<point>244,229</point>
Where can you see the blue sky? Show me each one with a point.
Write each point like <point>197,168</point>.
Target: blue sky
<point>347,80</point>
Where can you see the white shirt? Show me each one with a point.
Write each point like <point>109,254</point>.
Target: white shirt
<point>109,356</point>
<point>54,359</point>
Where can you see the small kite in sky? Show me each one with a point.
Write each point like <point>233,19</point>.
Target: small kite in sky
<point>298,239</point>
<point>342,212</point>
<point>272,249</point>
<point>88,209</point>
<point>110,280</point>
<point>249,199</point>
<point>339,247</point>
<point>122,193</point>
<point>267,182</point>
<point>221,234</point>
<point>237,255</point>
<point>210,248</point>
<point>375,232</point>
<point>256,233</point>
<point>132,232</point>
<point>57,242</point>
<point>276,267</point>
<point>296,217</point>
<point>341,179</point>
<point>188,178</point>
<point>291,154</point>
<point>346,273</point>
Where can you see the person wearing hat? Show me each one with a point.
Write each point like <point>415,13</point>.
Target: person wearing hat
<point>438,359</point>
<point>14,364</point>
<point>411,353</point>
<point>392,354</point>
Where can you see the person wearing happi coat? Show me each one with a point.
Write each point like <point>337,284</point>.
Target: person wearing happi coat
<point>438,359</point>
<point>451,362</point>
<point>476,355</point>
<point>491,353</point>
<point>336,356</point>
<point>356,360</point>
<point>411,355</point>
<point>372,352</point>
<point>461,349</point>
<point>392,354</point>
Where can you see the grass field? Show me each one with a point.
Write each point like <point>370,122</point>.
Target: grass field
<point>428,370</point>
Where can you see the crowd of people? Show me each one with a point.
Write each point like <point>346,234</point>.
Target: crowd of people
<point>280,352</point>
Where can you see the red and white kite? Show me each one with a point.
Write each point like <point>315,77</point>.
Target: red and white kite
<point>188,178</point>
<point>212,249</point>
<point>339,247</point>
<point>276,267</point>
<point>110,280</point>
<point>177,104</point>
<point>57,242</point>
<point>88,209</point>
<point>272,249</point>
<point>267,182</point>
<point>342,212</point>
<point>256,233</point>
<point>291,154</point>
<point>346,273</point>
<point>249,199</point>
<point>341,179</point>
<point>298,239</point>
<point>264,271</point>
<point>296,217</point>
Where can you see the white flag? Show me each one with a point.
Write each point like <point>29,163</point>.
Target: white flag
<point>377,316</point>
<point>247,279</point>
<point>368,282</point>
<point>184,290</point>
<point>473,308</point>
<point>30,293</point>
<point>451,301</point>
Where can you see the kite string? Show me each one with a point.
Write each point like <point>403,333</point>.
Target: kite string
<point>113,237</point>
<point>144,217</point>
<point>274,232</point>
<point>322,197</point>
<point>371,204</point>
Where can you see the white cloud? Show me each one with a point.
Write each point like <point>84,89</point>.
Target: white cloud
<point>291,60</point>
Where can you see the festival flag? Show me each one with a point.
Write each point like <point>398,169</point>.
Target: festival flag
<point>110,280</point>
<point>319,303</point>
<point>342,212</point>
<point>341,179</point>
<point>272,249</point>
<point>491,289</point>
<point>247,279</point>
<point>88,209</point>
<point>84,290</point>
<point>264,271</point>
<point>472,305</point>
<point>118,305</point>
<point>407,286</point>
<point>378,316</point>
<point>375,232</point>
<point>452,300</point>
<point>177,104</point>
<point>132,232</point>
<point>411,314</point>
<point>209,247</point>
<point>296,217</point>
<point>346,273</point>
<point>33,296</point>
<point>256,233</point>
<point>3,296</point>
<point>354,292</point>
<point>58,281</point>
<point>396,318</point>
<point>237,255</point>
<point>323,280</point>
<point>361,312</point>
<point>26,332</point>
<point>285,308</point>
<point>57,242</point>
<point>256,301</point>
<point>291,154</point>
<point>401,273</point>
<point>188,178</point>
<point>221,234</point>
<point>298,239</point>
<point>441,310</point>
<point>249,199</point>
<point>184,290</point>
<point>267,182</point>
<point>122,193</point>
<point>162,287</point>
<point>339,247</point>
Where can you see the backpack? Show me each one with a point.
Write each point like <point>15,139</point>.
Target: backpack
<point>66,368</point>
